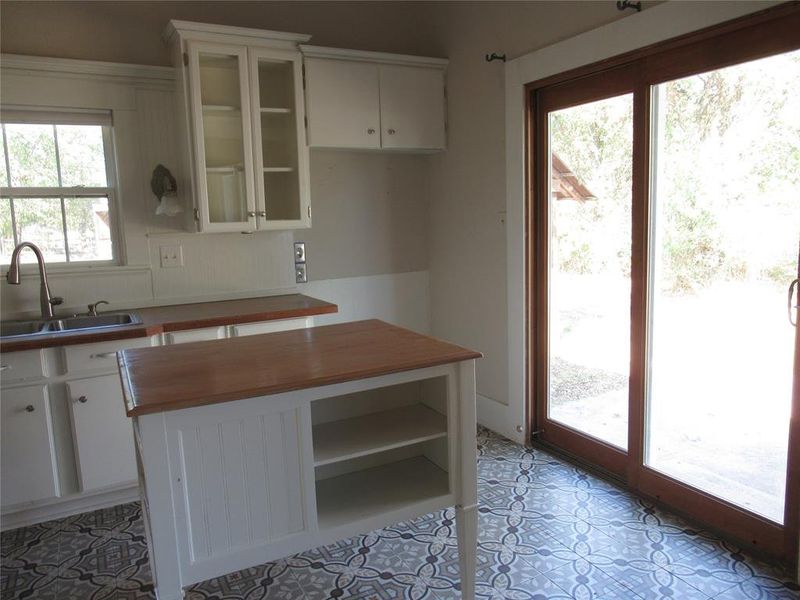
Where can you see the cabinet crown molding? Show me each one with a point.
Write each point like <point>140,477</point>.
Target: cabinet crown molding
<point>310,51</point>
<point>221,33</point>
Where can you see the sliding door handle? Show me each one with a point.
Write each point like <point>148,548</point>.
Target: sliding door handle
<point>792,308</point>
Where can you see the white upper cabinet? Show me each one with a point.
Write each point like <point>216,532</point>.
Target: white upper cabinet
<point>370,100</point>
<point>242,96</point>
<point>412,107</point>
<point>343,103</point>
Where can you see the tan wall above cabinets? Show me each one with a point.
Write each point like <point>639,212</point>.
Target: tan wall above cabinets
<point>374,101</point>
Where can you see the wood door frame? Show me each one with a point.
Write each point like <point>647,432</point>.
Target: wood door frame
<point>612,82</point>
<point>761,34</point>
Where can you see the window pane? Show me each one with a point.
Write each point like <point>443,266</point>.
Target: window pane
<point>39,221</point>
<point>88,229</point>
<point>80,150</point>
<point>6,232</point>
<point>32,155</point>
<point>3,172</point>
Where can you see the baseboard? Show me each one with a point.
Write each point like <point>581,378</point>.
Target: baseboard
<point>493,415</point>
<point>69,505</point>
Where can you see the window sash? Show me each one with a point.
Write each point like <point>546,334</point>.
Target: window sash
<point>49,194</point>
<point>101,119</point>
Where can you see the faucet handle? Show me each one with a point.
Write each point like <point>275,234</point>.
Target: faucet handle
<point>56,300</point>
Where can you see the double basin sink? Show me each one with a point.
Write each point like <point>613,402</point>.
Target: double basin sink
<point>76,323</point>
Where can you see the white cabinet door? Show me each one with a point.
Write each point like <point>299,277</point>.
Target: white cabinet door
<point>243,467</point>
<point>103,434</point>
<point>279,149</point>
<point>223,148</point>
<point>412,107</point>
<point>343,104</point>
<point>28,456</point>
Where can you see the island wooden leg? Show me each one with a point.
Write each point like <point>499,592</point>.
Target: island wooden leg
<point>467,531</point>
<point>467,509</point>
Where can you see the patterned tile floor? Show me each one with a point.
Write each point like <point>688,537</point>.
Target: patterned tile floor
<point>547,531</point>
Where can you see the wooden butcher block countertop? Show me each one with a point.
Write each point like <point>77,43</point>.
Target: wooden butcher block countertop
<point>173,377</point>
<point>180,317</point>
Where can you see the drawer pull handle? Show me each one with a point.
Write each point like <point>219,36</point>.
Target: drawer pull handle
<point>30,408</point>
<point>4,367</point>
<point>104,355</point>
<point>83,399</point>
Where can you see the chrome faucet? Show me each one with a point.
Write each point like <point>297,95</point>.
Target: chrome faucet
<point>93,307</point>
<point>47,303</point>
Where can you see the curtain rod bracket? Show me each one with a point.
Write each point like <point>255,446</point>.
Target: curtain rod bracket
<point>623,4</point>
<point>495,56</point>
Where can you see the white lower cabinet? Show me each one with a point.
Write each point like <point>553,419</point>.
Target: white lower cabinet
<point>194,335</point>
<point>271,326</point>
<point>28,454</point>
<point>66,444</point>
<point>103,434</point>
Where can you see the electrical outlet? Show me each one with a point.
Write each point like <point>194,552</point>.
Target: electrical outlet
<point>300,275</point>
<point>299,252</point>
<point>171,256</point>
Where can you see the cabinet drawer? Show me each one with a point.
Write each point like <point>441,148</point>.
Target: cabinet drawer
<point>91,357</point>
<point>26,446</point>
<point>194,335</point>
<point>271,326</point>
<point>17,366</point>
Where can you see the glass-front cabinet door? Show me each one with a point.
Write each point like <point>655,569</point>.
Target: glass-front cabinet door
<point>281,156</point>
<point>223,148</point>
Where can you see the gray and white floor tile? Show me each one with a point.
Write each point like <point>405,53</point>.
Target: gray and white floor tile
<point>547,531</point>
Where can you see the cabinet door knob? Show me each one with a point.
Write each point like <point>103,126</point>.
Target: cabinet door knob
<point>391,131</point>
<point>262,214</point>
<point>30,408</point>
<point>251,213</point>
<point>83,399</point>
<point>370,131</point>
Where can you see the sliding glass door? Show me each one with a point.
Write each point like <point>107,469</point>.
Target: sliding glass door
<point>586,231</point>
<point>665,228</point>
<point>726,226</point>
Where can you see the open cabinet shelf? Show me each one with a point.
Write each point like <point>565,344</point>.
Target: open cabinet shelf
<point>377,432</point>
<point>371,492</point>
<point>221,109</point>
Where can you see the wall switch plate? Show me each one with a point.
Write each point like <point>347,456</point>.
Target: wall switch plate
<point>299,252</point>
<point>300,275</point>
<point>171,256</point>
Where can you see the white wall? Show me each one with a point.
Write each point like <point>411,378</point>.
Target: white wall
<point>370,212</point>
<point>468,213</point>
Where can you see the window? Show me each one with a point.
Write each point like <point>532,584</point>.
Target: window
<point>57,186</point>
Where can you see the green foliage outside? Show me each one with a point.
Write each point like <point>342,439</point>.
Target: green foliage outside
<point>34,162</point>
<point>727,168</point>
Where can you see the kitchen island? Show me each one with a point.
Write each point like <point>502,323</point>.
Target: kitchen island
<point>251,449</point>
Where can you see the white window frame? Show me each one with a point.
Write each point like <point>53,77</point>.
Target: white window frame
<point>77,117</point>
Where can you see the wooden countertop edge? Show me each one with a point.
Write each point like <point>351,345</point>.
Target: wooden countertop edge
<point>250,318</point>
<point>136,411</point>
<point>41,341</point>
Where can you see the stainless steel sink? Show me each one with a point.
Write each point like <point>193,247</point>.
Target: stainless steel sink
<point>92,322</point>
<point>14,328</point>
<point>76,323</point>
